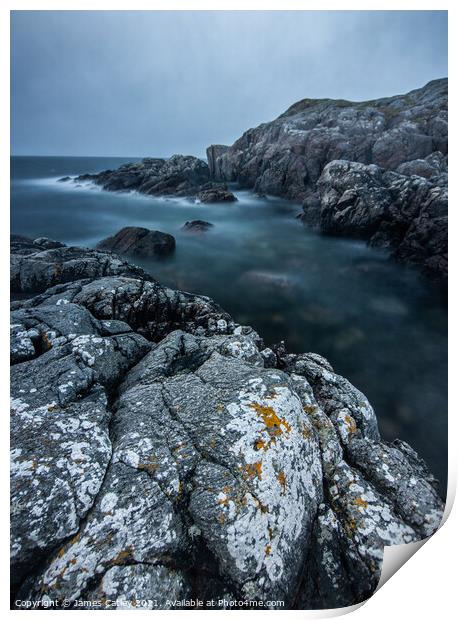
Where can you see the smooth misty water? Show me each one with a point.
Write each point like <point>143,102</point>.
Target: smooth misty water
<point>378,323</point>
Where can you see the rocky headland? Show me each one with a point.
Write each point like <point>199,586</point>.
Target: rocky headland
<point>376,170</point>
<point>161,451</point>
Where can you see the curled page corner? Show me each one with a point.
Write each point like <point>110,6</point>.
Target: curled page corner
<point>395,556</point>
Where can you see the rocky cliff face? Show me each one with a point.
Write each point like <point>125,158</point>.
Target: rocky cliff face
<point>406,134</point>
<point>160,451</point>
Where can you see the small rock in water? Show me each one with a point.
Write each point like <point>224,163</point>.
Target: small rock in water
<point>197,226</point>
<point>139,241</point>
<point>64,179</point>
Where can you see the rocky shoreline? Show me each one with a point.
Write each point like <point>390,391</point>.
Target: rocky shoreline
<point>178,176</point>
<point>162,451</point>
<point>375,170</point>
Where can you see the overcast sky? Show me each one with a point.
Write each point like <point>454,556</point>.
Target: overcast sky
<point>158,83</point>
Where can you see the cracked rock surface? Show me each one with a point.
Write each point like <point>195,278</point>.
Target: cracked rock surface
<point>161,452</point>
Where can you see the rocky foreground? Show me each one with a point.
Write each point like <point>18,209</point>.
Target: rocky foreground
<point>160,451</point>
<point>376,170</point>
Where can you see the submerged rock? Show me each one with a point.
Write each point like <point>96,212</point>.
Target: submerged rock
<point>268,280</point>
<point>197,226</point>
<point>161,452</point>
<point>138,241</point>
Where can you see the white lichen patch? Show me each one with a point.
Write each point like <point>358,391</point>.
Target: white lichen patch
<point>369,520</point>
<point>132,524</point>
<point>58,473</point>
<point>89,347</point>
<point>282,471</point>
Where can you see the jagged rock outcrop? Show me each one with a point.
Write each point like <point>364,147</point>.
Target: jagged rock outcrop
<point>286,156</point>
<point>214,153</point>
<point>407,214</point>
<point>179,175</point>
<point>160,451</point>
<point>408,134</point>
<point>134,240</point>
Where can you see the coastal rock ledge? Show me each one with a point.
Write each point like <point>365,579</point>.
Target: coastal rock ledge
<point>160,451</point>
<point>178,176</point>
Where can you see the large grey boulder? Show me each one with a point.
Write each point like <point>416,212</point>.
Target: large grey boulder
<point>431,166</point>
<point>193,463</point>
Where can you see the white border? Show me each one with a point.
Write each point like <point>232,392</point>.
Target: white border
<point>425,587</point>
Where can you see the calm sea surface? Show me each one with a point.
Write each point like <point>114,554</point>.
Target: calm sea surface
<point>379,324</point>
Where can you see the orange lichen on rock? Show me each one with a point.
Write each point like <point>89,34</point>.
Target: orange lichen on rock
<point>360,502</point>
<point>254,469</point>
<point>150,466</point>
<point>122,556</point>
<point>352,428</point>
<point>271,420</point>
<point>305,431</point>
<point>282,480</point>
<point>268,549</point>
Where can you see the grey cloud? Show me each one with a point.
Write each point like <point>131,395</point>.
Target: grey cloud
<point>156,83</point>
